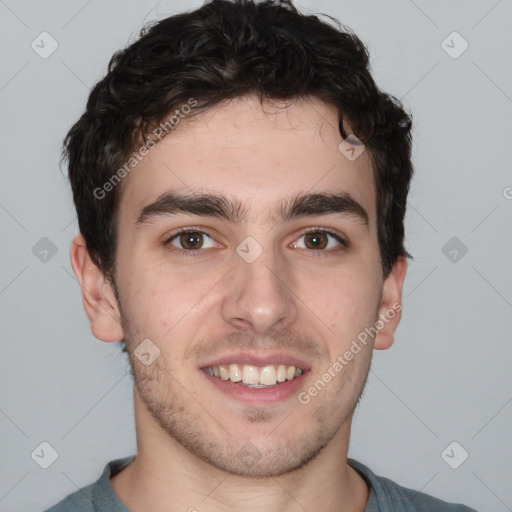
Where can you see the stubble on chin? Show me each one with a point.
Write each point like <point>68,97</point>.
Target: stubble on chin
<point>206,434</point>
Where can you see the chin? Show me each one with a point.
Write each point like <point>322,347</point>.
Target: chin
<point>271,461</point>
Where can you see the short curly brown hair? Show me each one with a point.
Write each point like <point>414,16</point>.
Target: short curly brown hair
<point>223,50</point>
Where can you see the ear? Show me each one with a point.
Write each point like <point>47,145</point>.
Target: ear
<point>390,309</point>
<point>98,297</point>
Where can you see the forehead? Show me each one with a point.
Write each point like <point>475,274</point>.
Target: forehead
<point>262,155</point>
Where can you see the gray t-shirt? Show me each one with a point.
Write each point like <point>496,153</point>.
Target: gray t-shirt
<point>385,495</point>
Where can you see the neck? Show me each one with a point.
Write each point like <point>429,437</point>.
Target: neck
<point>164,473</point>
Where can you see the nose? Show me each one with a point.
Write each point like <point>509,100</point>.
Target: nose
<point>259,295</point>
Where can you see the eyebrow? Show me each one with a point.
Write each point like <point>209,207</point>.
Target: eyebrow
<point>232,210</point>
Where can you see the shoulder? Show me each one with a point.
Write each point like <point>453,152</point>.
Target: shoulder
<point>387,495</point>
<point>97,496</point>
<point>79,501</point>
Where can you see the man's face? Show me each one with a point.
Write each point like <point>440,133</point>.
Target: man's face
<point>258,291</point>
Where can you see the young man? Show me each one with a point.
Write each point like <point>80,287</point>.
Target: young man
<point>241,185</point>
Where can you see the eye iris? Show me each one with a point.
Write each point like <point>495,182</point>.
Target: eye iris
<point>191,240</point>
<point>194,239</point>
<point>315,238</point>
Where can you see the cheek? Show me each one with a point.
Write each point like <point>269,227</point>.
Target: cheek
<point>340,296</point>
<point>158,300</point>
<point>346,303</point>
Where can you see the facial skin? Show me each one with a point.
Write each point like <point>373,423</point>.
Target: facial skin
<point>295,300</point>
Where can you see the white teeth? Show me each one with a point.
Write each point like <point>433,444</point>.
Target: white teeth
<point>281,373</point>
<point>253,376</point>
<point>250,375</point>
<point>224,372</point>
<point>234,373</point>
<point>268,375</point>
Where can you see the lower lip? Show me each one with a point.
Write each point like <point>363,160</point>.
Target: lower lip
<point>277,393</point>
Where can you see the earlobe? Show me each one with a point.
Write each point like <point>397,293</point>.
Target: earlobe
<point>390,310</point>
<point>98,298</point>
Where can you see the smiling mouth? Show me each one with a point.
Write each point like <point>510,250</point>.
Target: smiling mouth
<point>252,376</point>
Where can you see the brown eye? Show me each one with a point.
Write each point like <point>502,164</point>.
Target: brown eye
<point>191,240</point>
<point>316,240</point>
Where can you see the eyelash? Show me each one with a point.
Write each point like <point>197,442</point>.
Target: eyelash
<point>198,252</point>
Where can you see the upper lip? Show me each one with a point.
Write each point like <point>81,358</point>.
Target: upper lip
<point>254,359</point>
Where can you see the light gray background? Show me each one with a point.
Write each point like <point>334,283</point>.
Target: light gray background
<point>447,378</point>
